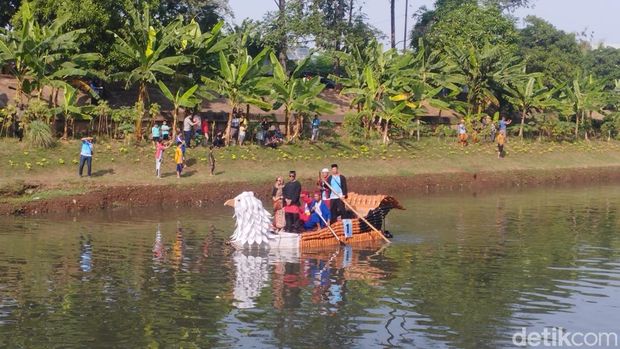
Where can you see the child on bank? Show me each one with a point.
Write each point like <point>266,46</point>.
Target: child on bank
<point>178,159</point>
<point>159,156</point>
<point>501,140</point>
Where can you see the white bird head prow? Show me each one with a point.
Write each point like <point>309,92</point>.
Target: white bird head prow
<point>253,222</point>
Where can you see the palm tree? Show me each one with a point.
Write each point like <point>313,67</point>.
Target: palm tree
<point>239,78</point>
<point>181,98</point>
<point>295,94</point>
<point>148,51</point>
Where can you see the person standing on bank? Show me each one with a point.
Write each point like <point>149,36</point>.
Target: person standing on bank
<point>188,126</point>
<point>316,123</point>
<point>338,183</point>
<point>86,155</point>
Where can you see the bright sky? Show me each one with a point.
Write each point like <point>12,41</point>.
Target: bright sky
<point>597,16</point>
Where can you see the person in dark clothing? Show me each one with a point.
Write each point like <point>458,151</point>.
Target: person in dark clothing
<point>292,189</point>
<point>291,193</point>
<point>338,184</point>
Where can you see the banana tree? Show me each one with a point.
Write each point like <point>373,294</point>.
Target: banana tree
<point>585,95</point>
<point>425,80</point>
<point>483,70</point>
<point>526,95</point>
<point>32,52</point>
<point>239,78</point>
<point>148,50</point>
<point>187,99</point>
<point>394,113</point>
<point>69,108</point>
<point>295,94</point>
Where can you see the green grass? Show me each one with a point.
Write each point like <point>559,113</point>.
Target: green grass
<point>117,164</point>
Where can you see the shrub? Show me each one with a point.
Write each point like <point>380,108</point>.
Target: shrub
<point>353,126</point>
<point>39,134</point>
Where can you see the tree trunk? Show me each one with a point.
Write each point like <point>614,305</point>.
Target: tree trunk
<point>141,109</point>
<point>576,125</point>
<point>405,31</point>
<point>351,12</point>
<point>583,120</point>
<point>283,39</point>
<point>522,124</point>
<point>386,128</point>
<point>393,24</point>
<point>65,134</point>
<point>418,130</point>
<point>175,120</point>
<point>227,132</point>
<point>287,127</point>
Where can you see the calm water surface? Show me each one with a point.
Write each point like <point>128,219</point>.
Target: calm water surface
<point>462,272</point>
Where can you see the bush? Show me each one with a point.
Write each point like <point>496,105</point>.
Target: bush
<point>353,126</point>
<point>39,134</point>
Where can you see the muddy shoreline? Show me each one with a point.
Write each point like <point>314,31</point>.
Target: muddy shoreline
<point>106,197</point>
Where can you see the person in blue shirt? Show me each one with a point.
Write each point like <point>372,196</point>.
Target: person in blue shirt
<point>338,184</point>
<point>319,210</point>
<point>86,155</point>
<point>503,124</point>
<point>156,131</point>
<point>315,128</point>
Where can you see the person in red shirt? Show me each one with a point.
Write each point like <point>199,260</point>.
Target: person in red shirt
<point>205,130</point>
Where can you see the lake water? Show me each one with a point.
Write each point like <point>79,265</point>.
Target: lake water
<point>462,271</point>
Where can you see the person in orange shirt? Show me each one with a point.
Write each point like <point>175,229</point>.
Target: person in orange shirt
<point>501,140</point>
<point>178,159</point>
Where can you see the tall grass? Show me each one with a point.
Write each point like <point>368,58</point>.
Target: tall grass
<point>39,134</point>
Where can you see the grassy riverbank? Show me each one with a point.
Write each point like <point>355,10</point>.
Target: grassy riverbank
<point>36,174</point>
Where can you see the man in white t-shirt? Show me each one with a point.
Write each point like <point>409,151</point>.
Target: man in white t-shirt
<point>188,124</point>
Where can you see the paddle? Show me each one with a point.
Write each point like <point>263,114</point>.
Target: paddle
<point>355,211</point>
<point>330,229</point>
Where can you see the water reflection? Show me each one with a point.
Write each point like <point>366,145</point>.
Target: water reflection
<point>462,272</point>
<point>86,254</point>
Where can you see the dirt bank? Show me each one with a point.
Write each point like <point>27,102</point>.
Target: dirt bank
<point>215,194</point>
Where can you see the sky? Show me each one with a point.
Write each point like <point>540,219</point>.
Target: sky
<point>597,17</point>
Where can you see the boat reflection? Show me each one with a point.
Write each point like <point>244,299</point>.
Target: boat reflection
<point>324,273</point>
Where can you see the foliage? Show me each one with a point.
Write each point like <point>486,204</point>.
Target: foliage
<point>550,51</point>
<point>468,24</point>
<point>239,77</point>
<point>37,110</point>
<point>39,54</point>
<point>328,25</point>
<point>297,95</point>
<point>149,51</point>
<point>39,134</point>
<point>181,98</point>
